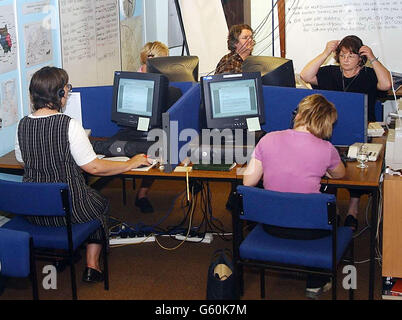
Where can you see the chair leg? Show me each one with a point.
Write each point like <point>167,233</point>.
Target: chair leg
<point>105,260</point>
<point>73,279</point>
<point>241,275</point>
<point>334,282</point>
<point>352,259</point>
<point>33,275</point>
<point>262,282</point>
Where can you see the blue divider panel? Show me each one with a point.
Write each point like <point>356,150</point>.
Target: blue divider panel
<point>351,126</point>
<point>96,108</point>
<point>184,114</point>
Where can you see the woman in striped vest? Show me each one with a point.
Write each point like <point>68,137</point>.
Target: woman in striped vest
<point>55,148</point>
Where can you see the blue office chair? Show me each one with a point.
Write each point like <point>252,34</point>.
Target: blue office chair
<point>289,210</point>
<point>49,199</point>
<point>16,259</point>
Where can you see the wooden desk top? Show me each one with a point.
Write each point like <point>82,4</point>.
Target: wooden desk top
<point>8,162</point>
<point>354,176</point>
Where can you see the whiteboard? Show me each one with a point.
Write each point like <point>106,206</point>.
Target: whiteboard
<point>310,24</point>
<point>206,32</point>
<point>90,41</point>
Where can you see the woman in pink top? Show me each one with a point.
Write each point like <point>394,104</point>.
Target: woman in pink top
<point>294,160</point>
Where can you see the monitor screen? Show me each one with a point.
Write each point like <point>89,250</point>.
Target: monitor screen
<point>275,71</point>
<point>139,99</point>
<point>232,100</point>
<point>175,68</point>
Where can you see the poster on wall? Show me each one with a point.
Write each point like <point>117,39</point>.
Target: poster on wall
<point>38,43</point>
<point>131,26</point>
<point>8,40</point>
<point>8,102</point>
<point>90,41</point>
<point>314,23</point>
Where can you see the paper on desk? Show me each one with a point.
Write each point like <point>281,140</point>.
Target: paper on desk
<point>143,124</point>
<point>253,124</point>
<point>145,168</point>
<point>73,106</point>
<point>183,169</point>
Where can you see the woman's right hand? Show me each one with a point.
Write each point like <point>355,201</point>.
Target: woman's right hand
<point>331,47</point>
<point>139,160</point>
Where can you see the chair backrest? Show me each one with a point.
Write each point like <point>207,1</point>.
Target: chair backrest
<point>14,253</point>
<point>29,198</point>
<point>285,209</point>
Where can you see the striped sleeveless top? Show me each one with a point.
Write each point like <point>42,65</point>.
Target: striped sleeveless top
<point>46,154</point>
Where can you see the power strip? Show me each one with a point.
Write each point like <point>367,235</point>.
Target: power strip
<point>134,240</point>
<point>207,239</point>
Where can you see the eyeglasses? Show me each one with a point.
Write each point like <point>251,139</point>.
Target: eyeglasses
<point>348,56</point>
<point>246,38</point>
<point>69,87</point>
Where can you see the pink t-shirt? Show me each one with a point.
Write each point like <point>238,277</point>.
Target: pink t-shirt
<point>295,161</point>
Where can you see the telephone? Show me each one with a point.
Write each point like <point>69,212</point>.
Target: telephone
<point>374,150</point>
<point>375,129</point>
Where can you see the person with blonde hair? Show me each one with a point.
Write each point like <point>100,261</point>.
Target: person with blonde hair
<point>295,160</point>
<point>152,50</point>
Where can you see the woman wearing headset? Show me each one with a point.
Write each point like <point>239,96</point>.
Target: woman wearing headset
<point>351,75</point>
<point>55,148</point>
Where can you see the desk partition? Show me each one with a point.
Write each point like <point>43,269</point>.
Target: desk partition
<point>184,114</point>
<point>279,103</point>
<point>96,108</point>
<point>351,126</point>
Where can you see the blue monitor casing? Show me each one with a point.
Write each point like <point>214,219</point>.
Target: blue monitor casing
<point>230,99</point>
<point>139,95</point>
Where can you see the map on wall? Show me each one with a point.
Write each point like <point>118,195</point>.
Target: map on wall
<point>8,43</point>
<point>38,43</point>
<point>130,34</point>
<point>8,103</point>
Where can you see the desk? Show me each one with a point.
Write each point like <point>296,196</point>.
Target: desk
<point>355,178</point>
<point>392,225</point>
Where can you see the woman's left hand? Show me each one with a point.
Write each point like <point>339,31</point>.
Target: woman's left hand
<point>366,51</point>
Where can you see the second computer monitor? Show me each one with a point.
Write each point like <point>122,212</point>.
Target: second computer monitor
<point>275,71</point>
<point>175,68</point>
<point>233,101</point>
<point>139,99</point>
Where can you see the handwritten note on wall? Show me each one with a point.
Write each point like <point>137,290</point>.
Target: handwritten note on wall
<point>311,24</point>
<point>90,41</point>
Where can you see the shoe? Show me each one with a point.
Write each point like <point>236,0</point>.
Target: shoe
<point>351,221</point>
<point>144,205</point>
<point>91,275</point>
<point>317,285</point>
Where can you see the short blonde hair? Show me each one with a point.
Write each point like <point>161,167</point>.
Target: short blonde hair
<point>153,49</point>
<point>317,114</point>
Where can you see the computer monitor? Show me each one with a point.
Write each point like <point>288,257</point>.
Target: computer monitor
<point>275,71</point>
<point>139,99</point>
<point>175,68</point>
<point>232,101</point>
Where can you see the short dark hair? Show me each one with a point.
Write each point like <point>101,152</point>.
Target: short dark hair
<point>353,44</point>
<point>234,33</point>
<point>45,88</point>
